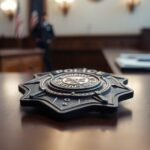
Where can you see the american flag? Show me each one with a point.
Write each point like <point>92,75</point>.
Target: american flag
<point>19,30</point>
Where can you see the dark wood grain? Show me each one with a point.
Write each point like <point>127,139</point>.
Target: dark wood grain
<point>78,42</point>
<point>80,59</point>
<point>145,39</point>
<point>29,129</point>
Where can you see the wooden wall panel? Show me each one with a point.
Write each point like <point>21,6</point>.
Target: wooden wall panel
<point>145,39</point>
<point>80,51</point>
<point>79,42</point>
<point>80,59</point>
<point>96,42</point>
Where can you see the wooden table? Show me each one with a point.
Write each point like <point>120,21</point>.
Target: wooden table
<point>28,129</point>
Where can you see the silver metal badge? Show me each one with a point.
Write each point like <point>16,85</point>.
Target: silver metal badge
<point>71,90</point>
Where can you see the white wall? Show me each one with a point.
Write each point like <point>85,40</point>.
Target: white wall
<point>104,17</point>
<point>86,17</point>
<point>7,28</point>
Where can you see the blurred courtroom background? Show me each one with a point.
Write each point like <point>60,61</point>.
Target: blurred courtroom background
<point>84,29</point>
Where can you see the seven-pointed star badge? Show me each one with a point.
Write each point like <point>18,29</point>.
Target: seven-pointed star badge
<point>75,90</point>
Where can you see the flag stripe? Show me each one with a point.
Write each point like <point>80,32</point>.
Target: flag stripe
<point>19,23</point>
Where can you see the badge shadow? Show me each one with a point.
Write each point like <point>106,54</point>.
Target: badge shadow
<point>31,116</point>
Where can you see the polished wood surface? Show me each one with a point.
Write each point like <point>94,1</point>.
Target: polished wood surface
<point>30,129</point>
<point>18,60</point>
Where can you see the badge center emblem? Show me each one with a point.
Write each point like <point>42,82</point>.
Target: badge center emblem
<point>75,81</point>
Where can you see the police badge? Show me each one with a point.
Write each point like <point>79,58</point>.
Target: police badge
<point>74,91</point>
